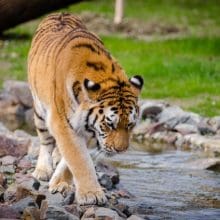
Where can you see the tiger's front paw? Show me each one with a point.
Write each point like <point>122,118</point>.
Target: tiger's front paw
<point>91,197</point>
<point>62,187</point>
<point>43,173</point>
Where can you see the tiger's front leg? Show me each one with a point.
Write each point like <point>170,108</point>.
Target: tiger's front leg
<point>74,151</point>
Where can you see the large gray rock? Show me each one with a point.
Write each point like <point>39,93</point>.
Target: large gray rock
<point>59,213</point>
<point>3,129</point>
<point>33,148</point>
<point>186,129</point>
<point>107,213</point>
<point>11,111</point>
<point>174,115</point>
<point>108,175</point>
<point>8,212</point>
<point>134,217</point>
<point>13,146</point>
<point>20,90</point>
<point>29,119</point>
<point>23,203</point>
<point>215,123</point>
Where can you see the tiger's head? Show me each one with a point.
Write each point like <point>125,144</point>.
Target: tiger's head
<point>113,112</point>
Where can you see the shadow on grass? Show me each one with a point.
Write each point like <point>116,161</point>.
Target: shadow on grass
<point>15,36</point>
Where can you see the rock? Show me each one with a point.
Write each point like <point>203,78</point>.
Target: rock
<point>150,109</point>
<point>30,213</point>
<point>25,181</point>
<point>33,148</point>
<point>174,115</point>
<point>29,119</point>
<point>69,198</point>
<point>3,129</point>
<point>24,164</point>
<point>204,163</point>
<point>186,129</point>
<point>105,180</point>
<point>43,209</point>
<point>151,112</point>
<point>215,123</point>
<point>179,141</point>
<point>107,174</point>
<point>123,209</point>
<point>22,192</point>
<point>20,90</point>
<point>10,193</point>
<point>36,184</point>
<point>7,169</point>
<point>55,212</point>
<point>12,146</point>
<point>122,193</point>
<point>3,180</point>
<point>23,203</point>
<point>89,213</point>
<point>140,209</point>
<point>209,145</point>
<point>8,212</point>
<point>2,190</point>
<point>13,116</point>
<point>8,160</point>
<point>55,199</point>
<point>76,210</point>
<point>106,213</point>
<point>205,130</point>
<point>141,128</point>
<point>134,217</point>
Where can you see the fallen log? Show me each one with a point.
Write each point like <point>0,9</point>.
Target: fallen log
<point>14,12</point>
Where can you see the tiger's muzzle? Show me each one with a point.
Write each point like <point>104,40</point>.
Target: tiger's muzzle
<point>117,141</point>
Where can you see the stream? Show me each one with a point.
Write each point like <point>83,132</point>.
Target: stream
<point>165,186</point>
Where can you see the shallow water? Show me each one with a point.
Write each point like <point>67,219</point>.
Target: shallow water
<point>166,187</point>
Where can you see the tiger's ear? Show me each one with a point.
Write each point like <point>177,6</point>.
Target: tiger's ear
<point>90,85</point>
<point>137,81</point>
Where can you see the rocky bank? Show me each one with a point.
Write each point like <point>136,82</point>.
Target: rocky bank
<point>22,196</point>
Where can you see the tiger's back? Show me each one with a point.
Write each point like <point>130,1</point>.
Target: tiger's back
<point>61,45</point>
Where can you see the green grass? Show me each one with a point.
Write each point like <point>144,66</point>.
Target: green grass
<point>186,70</point>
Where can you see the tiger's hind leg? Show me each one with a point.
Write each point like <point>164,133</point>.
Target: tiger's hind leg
<point>44,167</point>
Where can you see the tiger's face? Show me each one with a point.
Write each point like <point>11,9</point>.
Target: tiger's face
<point>114,115</point>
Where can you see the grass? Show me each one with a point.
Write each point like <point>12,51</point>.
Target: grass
<point>184,71</point>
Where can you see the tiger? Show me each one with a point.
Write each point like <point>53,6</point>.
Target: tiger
<point>79,92</point>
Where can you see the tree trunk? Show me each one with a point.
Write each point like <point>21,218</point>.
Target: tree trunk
<point>14,12</point>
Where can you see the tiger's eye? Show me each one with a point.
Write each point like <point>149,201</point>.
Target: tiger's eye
<point>100,111</point>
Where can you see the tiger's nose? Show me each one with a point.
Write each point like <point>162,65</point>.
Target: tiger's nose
<point>121,141</point>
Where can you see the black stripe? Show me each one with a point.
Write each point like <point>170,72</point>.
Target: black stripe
<point>76,90</point>
<point>113,68</point>
<point>96,117</point>
<point>38,116</point>
<point>96,65</point>
<point>42,129</point>
<point>87,120</point>
<point>48,143</point>
<point>88,46</point>
<point>78,33</point>
<point>49,138</point>
<point>68,122</point>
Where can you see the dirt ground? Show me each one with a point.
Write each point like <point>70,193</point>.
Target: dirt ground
<point>130,27</point>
